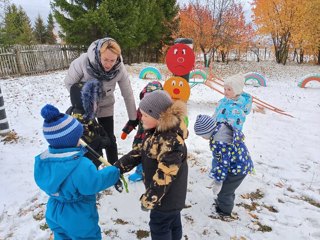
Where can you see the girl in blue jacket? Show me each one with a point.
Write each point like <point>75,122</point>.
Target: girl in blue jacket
<point>70,179</point>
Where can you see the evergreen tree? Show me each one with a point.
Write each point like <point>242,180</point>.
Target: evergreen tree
<point>39,31</point>
<point>82,21</point>
<point>17,27</point>
<point>50,36</point>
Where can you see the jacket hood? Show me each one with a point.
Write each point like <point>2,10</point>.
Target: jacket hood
<point>174,116</point>
<point>237,136</point>
<point>245,102</point>
<point>150,87</point>
<point>91,94</point>
<point>53,166</point>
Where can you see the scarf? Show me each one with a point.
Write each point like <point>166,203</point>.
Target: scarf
<point>96,69</point>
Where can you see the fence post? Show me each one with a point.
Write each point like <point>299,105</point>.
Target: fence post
<point>20,65</point>
<point>4,125</point>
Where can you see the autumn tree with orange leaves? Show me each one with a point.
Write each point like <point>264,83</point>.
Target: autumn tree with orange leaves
<point>214,25</point>
<point>291,23</point>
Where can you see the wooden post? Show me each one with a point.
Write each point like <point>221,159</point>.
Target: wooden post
<point>20,65</point>
<point>4,125</point>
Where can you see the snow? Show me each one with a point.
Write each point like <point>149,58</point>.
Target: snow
<point>283,194</point>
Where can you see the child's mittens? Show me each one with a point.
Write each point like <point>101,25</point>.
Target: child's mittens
<point>124,135</point>
<point>130,125</point>
<point>216,186</point>
<point>147,204</point>
<point>119,186</point>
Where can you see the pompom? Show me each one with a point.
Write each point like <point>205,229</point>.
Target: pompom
<point>49,112</point>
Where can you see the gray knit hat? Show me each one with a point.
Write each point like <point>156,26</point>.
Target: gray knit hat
<point>204,126</point>
<point>156,103</point>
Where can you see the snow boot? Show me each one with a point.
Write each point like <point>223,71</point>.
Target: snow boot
<point>137,176</point>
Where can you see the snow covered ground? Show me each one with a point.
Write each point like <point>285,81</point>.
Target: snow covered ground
<point>280,201</point>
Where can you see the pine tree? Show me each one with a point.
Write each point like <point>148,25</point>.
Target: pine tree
<point>17,27</point>
<point>50,36</point>
<point>82,21</point>
<point>39,31</point>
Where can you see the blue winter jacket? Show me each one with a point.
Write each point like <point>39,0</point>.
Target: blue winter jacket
<point>234,111</point>
<point>229,158</point>
<point>72,180</point>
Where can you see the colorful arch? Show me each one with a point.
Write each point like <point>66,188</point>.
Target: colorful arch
<point>256,77</point>
<point>152,70</point>
<point>198,72</point>
<point>309,78</point>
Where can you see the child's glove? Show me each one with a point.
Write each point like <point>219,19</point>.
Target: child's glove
<point>144,209</point>
<point>119,186</point>
<point>124,135</point>
<point>130,125</point>
<point>147,204</point>
<point>216,186</point>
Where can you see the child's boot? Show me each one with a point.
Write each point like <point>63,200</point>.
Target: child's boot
<point>137,176</point>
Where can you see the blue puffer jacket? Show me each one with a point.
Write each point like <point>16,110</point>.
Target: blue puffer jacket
<point>231,158</point>
<point>234,111</point>
<point>72,180</point>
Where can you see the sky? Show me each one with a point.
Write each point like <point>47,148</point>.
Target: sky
<point>282,197</point>
<point>35,7</point>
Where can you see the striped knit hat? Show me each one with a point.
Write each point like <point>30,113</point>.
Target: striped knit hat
<point>204,126</point>
<point>60,130</point>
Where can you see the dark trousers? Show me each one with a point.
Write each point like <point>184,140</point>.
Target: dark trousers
<point>112,151</point>
<point>165,225</point>
<point>226,195</point>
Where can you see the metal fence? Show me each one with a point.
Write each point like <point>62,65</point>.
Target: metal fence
<point>33,59</point>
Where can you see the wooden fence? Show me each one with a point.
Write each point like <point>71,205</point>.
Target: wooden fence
<point>24,60</point>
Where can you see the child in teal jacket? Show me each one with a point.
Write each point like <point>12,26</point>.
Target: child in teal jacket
<point>70,179</point>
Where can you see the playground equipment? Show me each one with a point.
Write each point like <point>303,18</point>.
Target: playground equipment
<point>178,88</point>
<point>256,77</point>
<point>152,70</point>
<point>193,81</point>
<point>180,59</point>
<point>212,79</point>
<point>309,78</point>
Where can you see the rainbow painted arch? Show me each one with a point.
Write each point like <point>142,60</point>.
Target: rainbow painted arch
<point>308,78</point>
<point>259,78</point>
<point>152,70</point>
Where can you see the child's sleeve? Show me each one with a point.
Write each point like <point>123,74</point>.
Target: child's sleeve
<point>172,154</point>
<point>88,180</point>
<point>129,161</point>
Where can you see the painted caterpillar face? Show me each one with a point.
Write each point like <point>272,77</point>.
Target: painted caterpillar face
<point>178,88</point>
<point>180,59</point>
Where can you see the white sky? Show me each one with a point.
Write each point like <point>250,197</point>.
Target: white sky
<point>42,7</point>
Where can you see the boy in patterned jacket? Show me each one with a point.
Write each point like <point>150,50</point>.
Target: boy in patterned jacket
<point>130,125</point>
<point>163,155</point>
<point>231,160</point>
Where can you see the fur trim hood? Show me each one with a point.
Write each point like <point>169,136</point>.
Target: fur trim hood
<point>175,116</point>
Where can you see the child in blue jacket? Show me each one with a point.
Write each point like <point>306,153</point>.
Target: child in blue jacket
<point>231,160</point>
<point>70,179</point>
<point>235,105</point>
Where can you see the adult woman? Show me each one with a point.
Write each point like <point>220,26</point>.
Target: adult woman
<point>103,61</point>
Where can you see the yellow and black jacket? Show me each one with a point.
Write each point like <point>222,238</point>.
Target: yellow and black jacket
<point>163,155</point>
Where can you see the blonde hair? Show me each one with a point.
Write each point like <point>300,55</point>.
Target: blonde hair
<point>112,45</point>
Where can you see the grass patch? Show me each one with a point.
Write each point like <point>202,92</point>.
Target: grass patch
<point>142,234</point>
